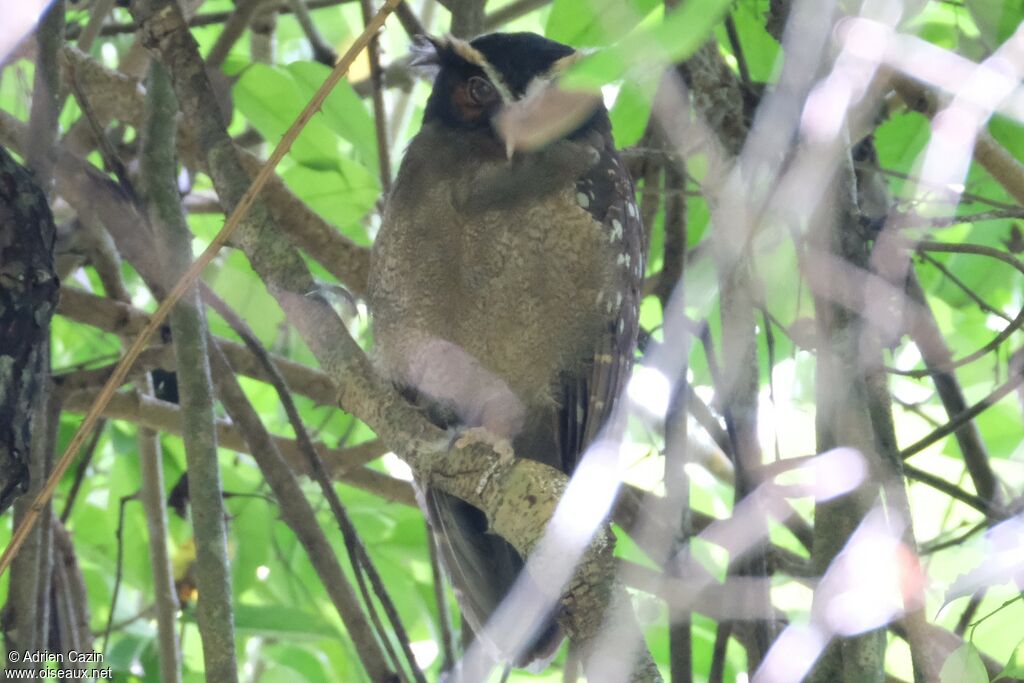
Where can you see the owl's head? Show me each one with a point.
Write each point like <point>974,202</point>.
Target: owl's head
<point>476,82</point>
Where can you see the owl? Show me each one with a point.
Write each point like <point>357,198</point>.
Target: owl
<point>505,284</point>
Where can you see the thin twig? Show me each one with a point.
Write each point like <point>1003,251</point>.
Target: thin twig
<point>996,341</point>
<point>962,418</point>
<point>722,633</point>
<point>925,332</point>
<point>409,21</point>
<point>969,611</point>
<point>443,616</point>
<point>380,122</point>
<point>118,566</point>
<point>83,466</point>
<point>951,490</point>
<point>950,221</point>
<point>934,546</point>
<point>97,15</point>
<point>233,29</point>
<point>737,48</point>
<point>211,18</point>
<point>322,52</point>
<point>964,196</point>
<point>971,294</point>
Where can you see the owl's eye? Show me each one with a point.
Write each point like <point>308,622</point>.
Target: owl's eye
<point>481,91</point>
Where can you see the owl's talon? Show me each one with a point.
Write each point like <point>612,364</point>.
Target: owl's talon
<point>482,435</point>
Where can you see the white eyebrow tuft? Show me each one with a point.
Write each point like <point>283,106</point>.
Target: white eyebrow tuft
<point>469,53</point>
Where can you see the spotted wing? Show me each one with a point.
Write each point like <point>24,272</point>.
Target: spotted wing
<point>606,191</point>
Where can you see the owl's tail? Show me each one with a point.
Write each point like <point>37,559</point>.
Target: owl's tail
<point>482,568</point>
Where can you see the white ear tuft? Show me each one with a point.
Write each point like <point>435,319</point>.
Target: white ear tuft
<point>426,61</point>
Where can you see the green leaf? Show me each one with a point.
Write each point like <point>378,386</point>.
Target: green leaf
<point>290,663</point>
<point>630,112</point>
<point>343,110</point>
<point>654,42</point>
<point>1010,134</point>
<point>233,281</point>
<point>279,621</point>
<point>996,19</point>
<point>964,666</point>
<point>760,50</point>
<point>271,100</point>
<point>1015,665</point>
<point>590,23</point>
<point>343,196</point>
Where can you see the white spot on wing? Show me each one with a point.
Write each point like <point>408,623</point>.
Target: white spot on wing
<point>616,229</point>
<point>583,199</point>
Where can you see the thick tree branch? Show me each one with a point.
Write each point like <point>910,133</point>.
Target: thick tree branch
<point>188,330</point>
<point>29,415</point>
<point>28,297</point>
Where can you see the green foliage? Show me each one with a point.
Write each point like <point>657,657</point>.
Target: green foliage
<point>964,665</point>
<point>1015,665</point>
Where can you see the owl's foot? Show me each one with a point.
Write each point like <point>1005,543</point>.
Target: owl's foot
<point>482,435</point>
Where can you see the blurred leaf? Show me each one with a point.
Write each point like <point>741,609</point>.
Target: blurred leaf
<point>343,110</point>
<point>271,100</point>
<point>290,663</point>
<point>238,285</point>
<point>1015,665</point>
<point>280,621</point>
<point>630,113</point>
<point>250,518</point>
<point>591,23</point>
<point>964,666</point>
<point>1010,134</point>
<point>996,19</point>
<point>760,50</point>
<point>123,651</point>
<point>898,141</point>
<point>1001,425</point>
<point>343,196</point>
<point>1002,563</point>
<point>652,45</point>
